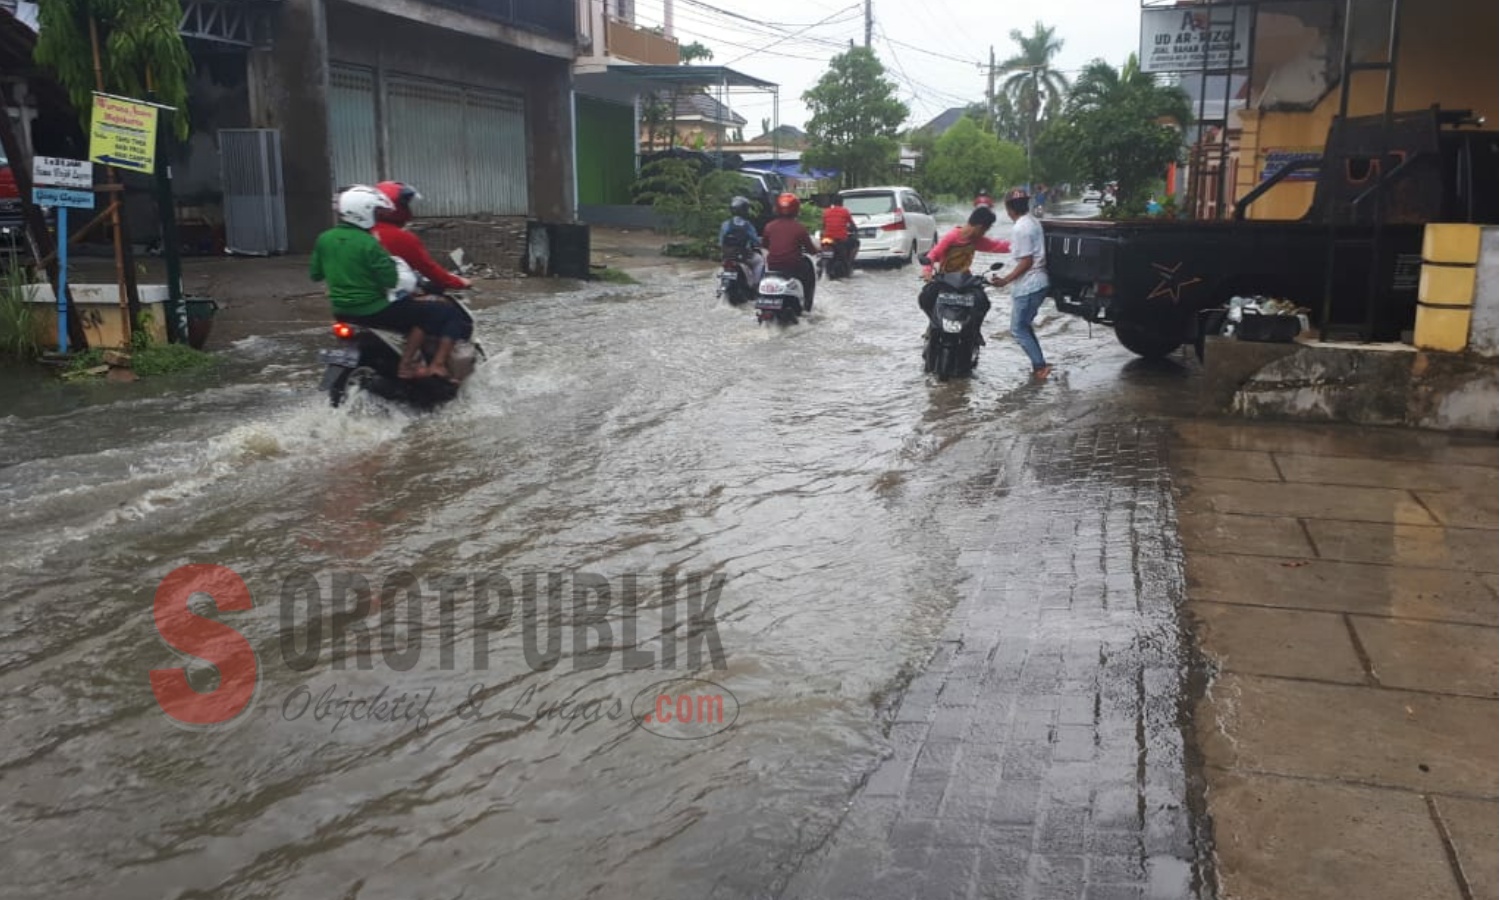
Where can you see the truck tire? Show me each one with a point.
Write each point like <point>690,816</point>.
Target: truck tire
<point>1144,341</point>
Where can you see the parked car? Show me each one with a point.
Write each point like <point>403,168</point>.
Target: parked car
<point>895,224</point>
<point>10,197</point>
<point>763,186</point>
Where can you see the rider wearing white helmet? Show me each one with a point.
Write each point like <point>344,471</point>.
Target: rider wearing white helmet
<point>360,275</point>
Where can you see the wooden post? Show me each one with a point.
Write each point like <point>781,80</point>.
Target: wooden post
<point>127,324</point>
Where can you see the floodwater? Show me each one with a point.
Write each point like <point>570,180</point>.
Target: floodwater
<point>618,431</point>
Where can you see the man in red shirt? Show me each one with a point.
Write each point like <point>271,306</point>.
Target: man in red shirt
<point>785,240</point>
<point>838,226</point>
<point>390,230</point>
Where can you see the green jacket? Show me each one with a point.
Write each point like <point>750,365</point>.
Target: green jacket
<point>358,270</point>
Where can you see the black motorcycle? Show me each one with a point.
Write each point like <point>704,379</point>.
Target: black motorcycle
<point>368,358</point>
<point>953,338</point>
<point>737,280</point>
<point>836,258</point>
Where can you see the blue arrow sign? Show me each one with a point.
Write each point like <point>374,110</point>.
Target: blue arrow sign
<point>123,163</point>
<point>62,197</point>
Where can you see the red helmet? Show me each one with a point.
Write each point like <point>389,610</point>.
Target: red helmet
<point>788,205</point>
<point>401,197</point>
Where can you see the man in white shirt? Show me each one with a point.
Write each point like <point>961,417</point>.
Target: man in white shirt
<point>1028,279</point>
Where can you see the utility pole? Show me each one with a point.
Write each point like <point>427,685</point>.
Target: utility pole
<point>869,21</point>
<point>989,97</point>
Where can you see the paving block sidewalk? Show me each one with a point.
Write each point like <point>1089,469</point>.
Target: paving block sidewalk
<point>1342,583</point>
<point>1040,754</point>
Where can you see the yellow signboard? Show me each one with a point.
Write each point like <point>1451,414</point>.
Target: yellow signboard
<point>123,134</point>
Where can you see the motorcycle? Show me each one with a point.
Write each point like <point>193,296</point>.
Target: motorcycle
<point>367,359</point>
<point>737,279</point>
<point>836,258</point>
<point>779,298</point>
<point>952,347</point>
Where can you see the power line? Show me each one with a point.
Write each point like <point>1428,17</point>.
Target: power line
<point>794,34</point>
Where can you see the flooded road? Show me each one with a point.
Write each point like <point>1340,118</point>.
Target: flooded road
<point>811,479</point>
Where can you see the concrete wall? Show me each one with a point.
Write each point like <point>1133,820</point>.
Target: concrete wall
<point>1486,322</point>
<point>289,91</point>
<point>1377,384</point>
<point>1448,56</point>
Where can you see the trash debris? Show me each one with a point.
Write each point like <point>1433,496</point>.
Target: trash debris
<point>1266,319</point>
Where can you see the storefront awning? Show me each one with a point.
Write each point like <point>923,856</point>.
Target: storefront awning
<point>691,76</point>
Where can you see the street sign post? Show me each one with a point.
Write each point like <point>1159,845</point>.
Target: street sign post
<point>63,184</point>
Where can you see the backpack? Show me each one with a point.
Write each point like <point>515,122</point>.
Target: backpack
<point>737,238</point>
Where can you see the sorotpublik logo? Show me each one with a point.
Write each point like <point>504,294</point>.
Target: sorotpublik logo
<point>356,625</point>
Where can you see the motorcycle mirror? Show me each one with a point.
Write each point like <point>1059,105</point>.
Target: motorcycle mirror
<point>924,260</point>
<point>994,267</point>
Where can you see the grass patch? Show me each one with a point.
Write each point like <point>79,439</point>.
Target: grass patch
<point>146,359</point>
<point>18,330</point>
<point>613,276</point>
<point>164,359</point>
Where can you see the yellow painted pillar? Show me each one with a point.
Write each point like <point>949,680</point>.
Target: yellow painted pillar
<point>1445,295</point>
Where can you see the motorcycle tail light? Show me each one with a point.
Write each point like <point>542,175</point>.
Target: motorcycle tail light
<point>343,331</point>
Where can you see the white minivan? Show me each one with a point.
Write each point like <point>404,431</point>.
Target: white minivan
<point>895,223</point>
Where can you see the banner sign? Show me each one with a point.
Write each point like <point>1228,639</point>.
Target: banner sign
<point>46,196</point>
<point>1177,40</point>
<point>123,134</point>
<point>51,171</point>
<point>1280,156</point>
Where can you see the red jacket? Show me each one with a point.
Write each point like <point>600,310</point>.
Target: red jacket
<point>785,240</point>
<point>401,243</point>
<point>837,222</point>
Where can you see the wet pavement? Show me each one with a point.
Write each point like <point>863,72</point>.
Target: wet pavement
<point>902,564</point>
<point>1342,587</point>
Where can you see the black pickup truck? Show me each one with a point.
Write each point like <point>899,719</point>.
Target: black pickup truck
<point>1354,260</point>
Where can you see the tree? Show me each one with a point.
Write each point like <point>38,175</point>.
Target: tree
<point>855,119</point>
<point>140,49</point>
<point>966,160</point>
<point>1119,127</point>
<point>687,54</point>
<point>1034,90</point>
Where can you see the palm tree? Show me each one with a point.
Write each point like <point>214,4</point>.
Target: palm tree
<point>1034,87</point>
<point>1100,85</point>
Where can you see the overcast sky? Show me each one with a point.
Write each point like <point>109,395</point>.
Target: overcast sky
<point>933,50</point>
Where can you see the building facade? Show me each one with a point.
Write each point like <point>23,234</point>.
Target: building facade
<point>1447,56</point>
<point>467,99</point>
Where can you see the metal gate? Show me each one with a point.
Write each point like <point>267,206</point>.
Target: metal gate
<point>352,125</point>
<point>463,147</point>
<point>254,195</point>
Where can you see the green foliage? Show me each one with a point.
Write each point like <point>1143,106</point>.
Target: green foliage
<point>688,54</point>
<point>692,206</point>
<point>614,276</point>
<point>164,359</point>
<point>966,160</point>
<point>855,119</point>
<point>1118,130</point>
<point>138,41</point>
<point>18,331</point>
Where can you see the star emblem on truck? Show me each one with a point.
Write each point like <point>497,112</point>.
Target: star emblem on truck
<point>1171,283</point>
